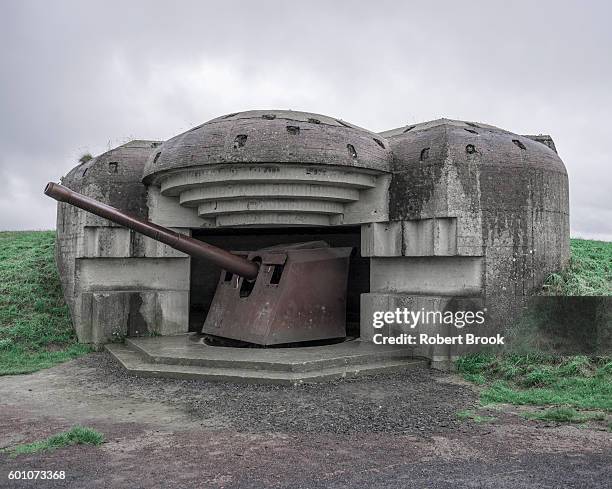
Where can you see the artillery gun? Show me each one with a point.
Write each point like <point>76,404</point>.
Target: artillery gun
<point>273,296</point>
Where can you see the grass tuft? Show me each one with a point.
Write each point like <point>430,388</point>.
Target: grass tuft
<point>475,378</point>
<point>35,326</point>
<point>468,414</point>
<point>565,414</point>
<point>77,435</point>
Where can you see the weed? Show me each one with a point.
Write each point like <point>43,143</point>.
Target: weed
<point>475,378</point>
<point>474,364</point>
<point>77,435</point>
<point>468,414</point>
<point>565,414</point>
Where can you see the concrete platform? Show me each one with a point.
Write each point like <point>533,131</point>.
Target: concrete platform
<point>180,357</point>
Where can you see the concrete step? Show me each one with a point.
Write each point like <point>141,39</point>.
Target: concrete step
<point>180,350</point>
<point>134,363</point>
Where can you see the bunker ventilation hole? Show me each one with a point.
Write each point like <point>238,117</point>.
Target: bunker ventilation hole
<point>293,130</point>
<point>228,277</point>
<point>351,151</point>
<point>519,144</point>
<point>247,286</point>
<point>471,124</point>
<point>113,167</point>
<point>156,157</point>
<point>277,274</point>
<point>240,140</point>
<point>470,130</point>
<point>314,121</point>
<point>342,123</point>
<point>470,149</point>
<point>155,144</point>
<point>424,154</point>
<point>268,117</point>
<point>409,128</point>
<point>379,142</point>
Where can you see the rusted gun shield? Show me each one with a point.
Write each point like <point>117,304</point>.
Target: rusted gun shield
<point>299,295</point>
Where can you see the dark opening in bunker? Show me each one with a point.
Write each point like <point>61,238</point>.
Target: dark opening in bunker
<point>205,275</point>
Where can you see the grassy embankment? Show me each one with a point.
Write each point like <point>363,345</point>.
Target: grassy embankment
<point>589,271</point>
<point>574,389</point>
<point>35,326</point>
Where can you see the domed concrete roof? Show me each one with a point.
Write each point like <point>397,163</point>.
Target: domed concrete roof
<point>115,176</point>
<point>464,140</point>
<point>272,136</point>
<point>454,167</point>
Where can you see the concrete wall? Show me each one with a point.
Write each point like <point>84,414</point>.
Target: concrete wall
<point>488,208</point>
<point>115,281</point>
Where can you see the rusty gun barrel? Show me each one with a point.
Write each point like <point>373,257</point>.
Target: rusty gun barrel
<point>225,259</point>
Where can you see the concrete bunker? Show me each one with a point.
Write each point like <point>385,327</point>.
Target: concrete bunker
<point>442,215</point>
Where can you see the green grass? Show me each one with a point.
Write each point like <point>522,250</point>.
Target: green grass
<point>577,382</point>
<point>77,435</point>
<point>35,327</point>
<point>572,385</point>
<point>471,415</point>
<point>565,414</point>
<point>589,271</point>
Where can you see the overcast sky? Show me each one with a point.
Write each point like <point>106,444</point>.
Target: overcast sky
<point>87,76</point>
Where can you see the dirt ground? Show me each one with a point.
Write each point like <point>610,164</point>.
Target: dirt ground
<point>389,432</point>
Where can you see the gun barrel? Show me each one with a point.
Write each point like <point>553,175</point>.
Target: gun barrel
<point>225,259</point>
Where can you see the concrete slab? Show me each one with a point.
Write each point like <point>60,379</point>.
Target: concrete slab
<point>180,357</point>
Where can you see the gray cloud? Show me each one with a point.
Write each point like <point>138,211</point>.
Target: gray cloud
<point>86,76</point>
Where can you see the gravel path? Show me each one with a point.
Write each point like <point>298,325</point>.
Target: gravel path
<point>396,431</point>
<point>415,401</point>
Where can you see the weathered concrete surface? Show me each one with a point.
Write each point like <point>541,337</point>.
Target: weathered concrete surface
<point>446,276</point>
<point>271,168</point>
<point>449,211</point>
<point>465,189</point>
<point>269,137</point>
<point>381,239</point>
<point>117,282</point>
<point>180,357</point>
<point>97,178</point>
<point>392,432</point>
<point>440,356</point>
